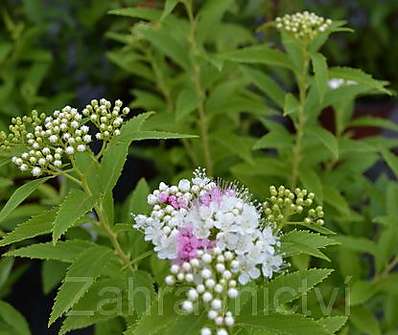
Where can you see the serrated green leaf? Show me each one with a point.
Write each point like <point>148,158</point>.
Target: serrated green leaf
<point>158,317</point>
<point>321,73</point>
<point>81,275</point>
<point>20,195</point>
<point>333,323</point>
<point>260,54</point>
<point>357,75</point>
<point>63,251</point>
<point>52,272</point>
<point>292,286</point>
<point>299,242</point>
<point>14,319</point>
<point>76,204</point>
<point>293,324</point>
<point>37,225</point>
<point>109,298</point>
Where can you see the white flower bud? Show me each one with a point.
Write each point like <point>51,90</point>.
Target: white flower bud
<point>216,304</point>
<point>233,293</point>
<point>207,297</point>
<point>36,171</point>
<point>69,150</point>
<point>193,294</point>
<point>57,163</point>
<point>229,321</point>
<point>205,331</point>
<point>184,185</point>
<point>206,273</point>
<point>222,331</point>
<point>170,280</point>
<point>187,306</point>
<point>23,167</point>
<point>200,288</point>
<point>81,147</point>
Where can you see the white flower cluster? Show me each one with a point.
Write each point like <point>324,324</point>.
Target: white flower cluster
<point>303,25</point>
<point>214,235</point>
<point>284,203</point>
<point>213,274</point>
<point>52,140</point>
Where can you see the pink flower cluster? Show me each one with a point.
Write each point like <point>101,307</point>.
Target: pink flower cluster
<point>172,200</point>
<point>188,244</point>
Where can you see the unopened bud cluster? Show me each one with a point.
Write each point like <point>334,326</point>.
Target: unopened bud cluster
<point>284,203</point>
<point>108,120</point>
<point>213,275</point>
<point>303,25</point>
<point>52,140</point>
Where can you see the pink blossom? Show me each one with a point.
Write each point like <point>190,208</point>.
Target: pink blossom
<point>214,195</point>
<point>163,197</point>
<point>188,244</point>
<point>176,202</point>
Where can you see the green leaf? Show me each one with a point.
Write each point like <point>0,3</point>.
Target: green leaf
<point>364,320</point>
<point>275,139</point>
<point>138,200</point>
<point>158,317</point>
<point>14,319</point>
<point>168,8</point>
<point>326,138</point>
<point>265,84</point>
<point>321,73</point>
<point>20,195</point>
<point>209,16</point>
<point>289,287</point>
<point>335,199</point>
<point>391,160</point>
<point>360,77</point>
<point>187,102</point>
<point>85,269</point>
<point>290,105</point>
<point>361,292</point>
<point>157,135</point>
<point>138,13</point>
<point>166,44</point>
<point>5,269</point>
<point>294,324</point>
<point>333,323</point>
<point>76,204</point>
<point>127,295</point>
<point>63,251</point>
<point>37,225</point>
<point>260,54</point>
<point>358,244</point>
<point>312,182</point>
<point>4,182</point>
<point>52,272</point>
<point>299,242</point>
<point>369,121</point>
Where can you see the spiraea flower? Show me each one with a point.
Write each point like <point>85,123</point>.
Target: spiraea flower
<point>216,239</point>
<point>51,141</point>
<point>303,25</point>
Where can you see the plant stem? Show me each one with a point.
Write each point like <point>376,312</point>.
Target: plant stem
<point>390,266</point>
<point>196,79</point>
<point>300,123</point>
<point>103,223</point>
